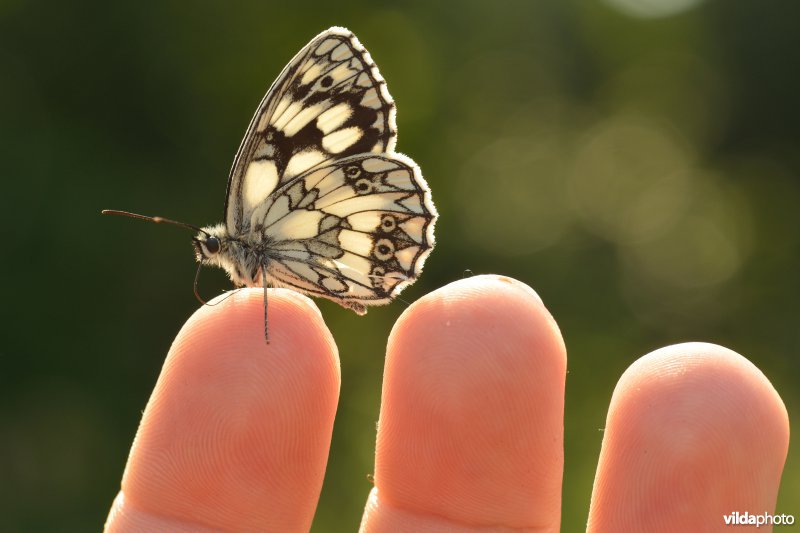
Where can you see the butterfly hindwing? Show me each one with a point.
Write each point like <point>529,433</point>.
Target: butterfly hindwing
<point>356,230</point>
<point>330,102</point>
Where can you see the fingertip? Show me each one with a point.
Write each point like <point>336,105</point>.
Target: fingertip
<point>694,431</point>
<point>471,424</point>
<point>699,381</point>
<point>488,302</point>
<point>237,431</point>
<point>237,319</point>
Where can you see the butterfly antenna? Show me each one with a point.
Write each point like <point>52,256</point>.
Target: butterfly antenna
<point>157,220</point>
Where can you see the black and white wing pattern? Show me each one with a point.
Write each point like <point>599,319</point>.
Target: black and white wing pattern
<point>317,188</point>
<point>356,230</point>
<point>329,102</point>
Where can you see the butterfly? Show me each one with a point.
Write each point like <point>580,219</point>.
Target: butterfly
<point>318,200</point>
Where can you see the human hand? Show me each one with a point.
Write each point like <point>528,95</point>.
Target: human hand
<point>236,434</point>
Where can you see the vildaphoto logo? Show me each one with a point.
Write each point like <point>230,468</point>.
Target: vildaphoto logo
<point>764,519</point>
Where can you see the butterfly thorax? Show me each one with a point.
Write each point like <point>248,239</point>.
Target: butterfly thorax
<point>241,258</point>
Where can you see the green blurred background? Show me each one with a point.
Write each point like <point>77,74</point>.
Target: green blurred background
<point>636,162</point>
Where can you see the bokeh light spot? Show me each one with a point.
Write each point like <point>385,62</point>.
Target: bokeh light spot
<point>512,198</point>
<point>629,181</point>
<point>650,9</point>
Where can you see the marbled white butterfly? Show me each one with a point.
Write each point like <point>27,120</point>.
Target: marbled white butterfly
<point>317,199</point>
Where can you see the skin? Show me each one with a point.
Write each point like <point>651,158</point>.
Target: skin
<point>236,434</point>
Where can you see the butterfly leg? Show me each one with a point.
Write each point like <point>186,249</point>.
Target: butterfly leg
<point>264,282</point>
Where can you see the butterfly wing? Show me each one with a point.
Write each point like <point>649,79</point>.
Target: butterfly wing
<point>356,230</point>
<point>329,102</point>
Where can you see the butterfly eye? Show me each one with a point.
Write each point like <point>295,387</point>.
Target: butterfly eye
<point>212,245</point>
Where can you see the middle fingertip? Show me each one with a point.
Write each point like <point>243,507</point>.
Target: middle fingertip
<point>471,423</point>
<point>488,303</point>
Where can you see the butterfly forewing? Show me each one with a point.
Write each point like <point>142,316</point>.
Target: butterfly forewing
<point>330,102</point>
